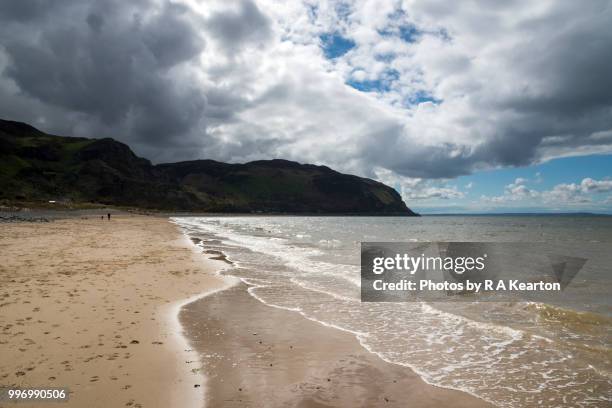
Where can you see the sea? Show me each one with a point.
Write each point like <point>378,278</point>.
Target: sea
<point>513,353</point>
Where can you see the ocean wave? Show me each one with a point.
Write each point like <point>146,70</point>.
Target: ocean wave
<point>298,269</point>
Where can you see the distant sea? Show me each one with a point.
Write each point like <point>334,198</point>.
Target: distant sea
<point>513,354</point>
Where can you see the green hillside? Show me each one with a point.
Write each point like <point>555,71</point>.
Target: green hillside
<point>37,167</point>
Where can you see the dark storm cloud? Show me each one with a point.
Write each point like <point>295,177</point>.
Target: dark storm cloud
<point>233,28</point>
<point>110,62</point>
<point>29,10</point>
<point>570,55</point>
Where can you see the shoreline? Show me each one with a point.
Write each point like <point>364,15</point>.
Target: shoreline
<point>436,394</point>
<point>257,354</point>
<point>173,312</point>
<point>194,317</point>
<point>181,340</point>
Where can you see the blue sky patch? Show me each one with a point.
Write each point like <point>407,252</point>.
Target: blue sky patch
<point>538,177</point>
<point>551,173</point>
<point>420,97</point>
<point>409,33</point>
<point>334,45</point>
<point>381,84</point>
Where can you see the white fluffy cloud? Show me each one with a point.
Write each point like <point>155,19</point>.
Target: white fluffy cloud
<point>564,194</point>
<point>576,193</point>
<point>418,190</point>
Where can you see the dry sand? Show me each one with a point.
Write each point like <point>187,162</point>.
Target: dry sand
<point>91,305</point>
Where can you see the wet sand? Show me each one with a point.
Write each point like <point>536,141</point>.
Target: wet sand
<point>91,305</point>
<point>254,356</point>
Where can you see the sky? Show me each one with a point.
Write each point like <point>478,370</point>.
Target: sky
<point>472,106</point>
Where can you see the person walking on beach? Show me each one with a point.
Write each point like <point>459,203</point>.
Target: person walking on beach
<point>108,215</point>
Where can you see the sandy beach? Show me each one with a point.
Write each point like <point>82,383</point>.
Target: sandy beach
<point>92,305</point>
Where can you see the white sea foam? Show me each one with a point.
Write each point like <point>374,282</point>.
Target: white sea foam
<point>304,266</point>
